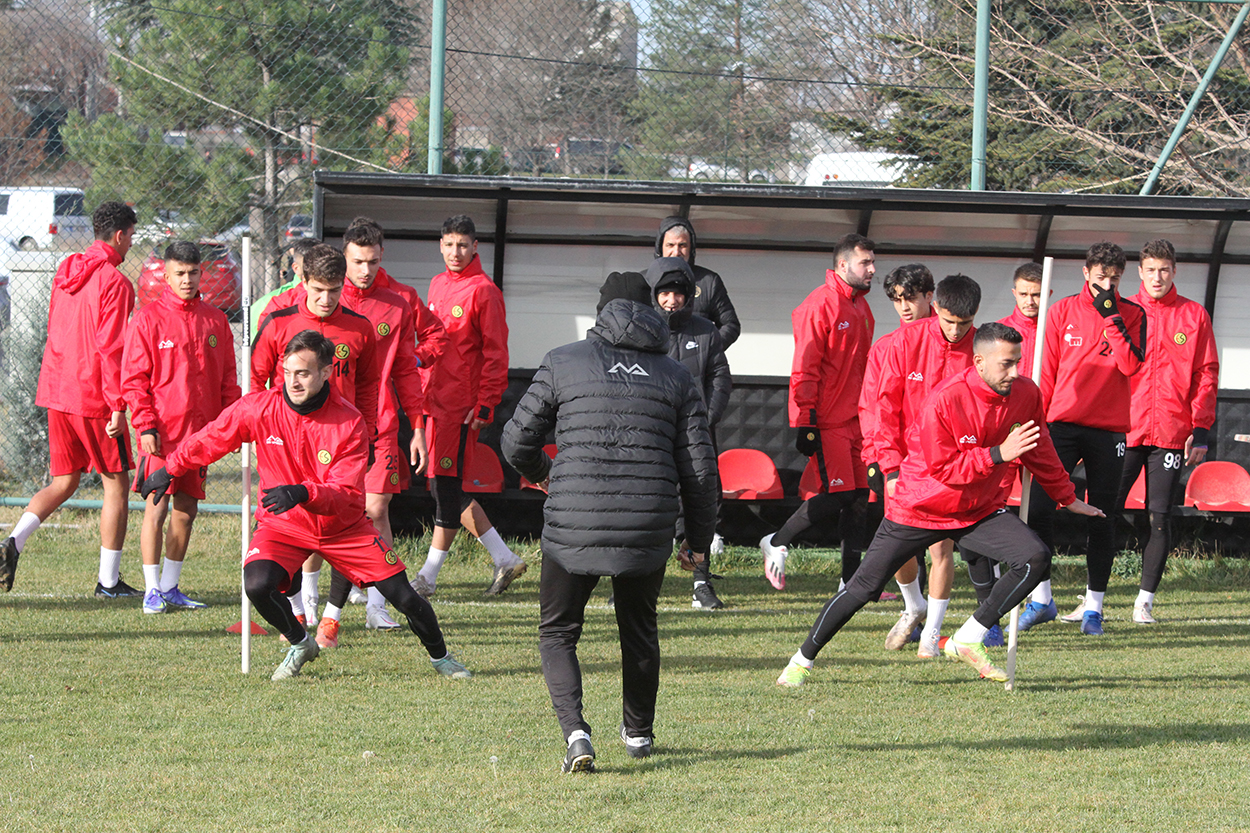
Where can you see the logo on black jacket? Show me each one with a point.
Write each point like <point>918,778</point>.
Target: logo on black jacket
<point>632,370</point>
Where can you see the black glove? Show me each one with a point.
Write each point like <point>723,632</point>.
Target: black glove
<point>281,499</point>
<point>808,440</point>
<point>1104,303</point>
<point>155,485</point>
<point>876,480</point>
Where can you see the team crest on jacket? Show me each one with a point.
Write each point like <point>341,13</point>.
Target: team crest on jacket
<point>968,439</point>
<point>342,351</point>
<point>842,325</point>
<point>212,341</point>
<point>384,329</point>
<point>1015,426</point>
<point>457,311</point>
<point>1180,338</point>
<point>445,463</point>
<point>915,376</point>
<point>324,457</point>
<point>632,370</point>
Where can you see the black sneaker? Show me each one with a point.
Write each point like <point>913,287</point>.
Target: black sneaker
<point>636,747</point>
<point>117,591</point>
<point>8,564</point>
<point>705,597</point>
<point>580,757</point>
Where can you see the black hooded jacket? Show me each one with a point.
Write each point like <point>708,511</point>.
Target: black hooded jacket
<point>632,435</point>
<point>711,299</point>
<point>696,342</point>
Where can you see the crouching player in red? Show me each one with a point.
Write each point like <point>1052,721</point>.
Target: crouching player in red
<point>177,374</point>
<point>311,453</point>
<point>954,484</point>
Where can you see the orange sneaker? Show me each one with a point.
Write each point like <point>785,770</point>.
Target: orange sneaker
<point>328,633</point>
<point>299,617</point>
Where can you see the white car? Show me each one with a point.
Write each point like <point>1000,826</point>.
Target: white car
<point>705,171</point>
<point>856,169</point>
<point>44,218</point>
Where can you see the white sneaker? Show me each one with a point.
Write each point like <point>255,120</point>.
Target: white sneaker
<point>377,619</point>
<point>900,634</point>
<point>929,646</point>
<point>1142,613</point>
<point>357,596</point>
<point>774,562</point>
<point>1077,614</point>
<point>718,545</point>
<point>422,587</point>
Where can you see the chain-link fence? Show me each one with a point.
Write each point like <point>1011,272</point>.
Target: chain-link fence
<point>210,117</point>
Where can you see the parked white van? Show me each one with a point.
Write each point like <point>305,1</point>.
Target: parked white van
<point>855,169</point>
<point>44,218</point>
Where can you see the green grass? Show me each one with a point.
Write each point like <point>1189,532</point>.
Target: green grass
<point>118,721</point>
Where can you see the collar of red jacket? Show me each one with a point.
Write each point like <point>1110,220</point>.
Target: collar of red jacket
<point>77,269</point>
<point>383,280</point>
<point>473,270</point>
<point>351,292</point>
<point>1019,318</point>
<point>935,324</point>
<point>171,299</point>
<point>1170,298</point>
<point>312,316</point>
<point>834,281</point>
<point>979,389</point>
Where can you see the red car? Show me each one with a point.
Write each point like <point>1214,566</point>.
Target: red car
<point>221,283</point>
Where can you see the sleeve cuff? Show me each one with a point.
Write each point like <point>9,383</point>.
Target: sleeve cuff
<point>1202,437</point>
<point>996,455</point>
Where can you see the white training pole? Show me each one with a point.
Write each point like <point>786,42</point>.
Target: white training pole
<point>245,379</point>
<point>1026,482</point>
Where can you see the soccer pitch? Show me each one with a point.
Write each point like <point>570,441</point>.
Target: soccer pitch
<point>114,720</point>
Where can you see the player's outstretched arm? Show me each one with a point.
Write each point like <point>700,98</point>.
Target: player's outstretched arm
<point>1080,507</point>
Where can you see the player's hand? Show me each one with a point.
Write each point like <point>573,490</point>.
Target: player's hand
<point>1194,454</point>
<point>1021,440</point>
<point>418,453</point>
<point>876,480</point>
<point>545,485</point>
<point>807,441</point>
<point>150,443</point>
<point>689,560</point>
<point>890,485</point>
<point>1080,507</point>
<point>474,422</point>
<point>1105,303</point>
<point>155,485</point>
<point>116,424</point>
<point>281,499</point>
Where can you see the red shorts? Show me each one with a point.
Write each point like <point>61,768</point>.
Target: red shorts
<point>358,553</point>
<point>383,477</point>
<point>838,459</point>
<point>190,483</point>
<point>78,443</point>
<point>451,447</point>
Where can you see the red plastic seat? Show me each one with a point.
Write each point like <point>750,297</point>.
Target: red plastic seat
<point>483,473</point>
<point>1219,486</point>
<point>1137,495</point>
<point>809,483</point>
<point>550,448</point>
<point>748,474</point>
<point>1014,499</point>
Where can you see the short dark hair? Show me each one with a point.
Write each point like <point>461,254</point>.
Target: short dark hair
<point>183,251</point>
<point>363,231</point>
<point>993,331</point>
<point>302,246</point>
<point>848,244</point>
<point>314,341</point>
<point>112,217</point>
<point>959,295</point>
<point>460,224</point>
<point>326,264</point>
<point>1159,250</point>
<point>1031,272</point>
<point>910,280</point>
<point>1105,254</point>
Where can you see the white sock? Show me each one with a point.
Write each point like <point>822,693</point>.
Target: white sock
<point>578,734</point>
<point>1042,593</point>
<point>933,622</point>
<point>297,605</point>
<point>697,584</point>
<point>433,563</point>
<point>332,612</point>
<point>171,572</point>
<point>110,566</point>
<point>499,552</point>
<point>1093,600</point>
<point>151,577</point>
<point>376,599</point>
<point>799,659</point>
<point>1145,597</point>
<point>913,601</point>
<point>971,632</point>
<point>25,525</point>
<point>310,592</point>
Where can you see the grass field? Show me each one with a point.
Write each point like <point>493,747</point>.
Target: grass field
<point>118,721</point>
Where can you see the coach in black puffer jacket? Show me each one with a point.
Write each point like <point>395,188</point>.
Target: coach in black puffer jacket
<point>634,448</point>
<point>711,299</point>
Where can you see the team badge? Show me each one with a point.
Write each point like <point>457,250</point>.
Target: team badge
<point>872,471</point>
<point>1106,304</point>
<point>1180,338</point>
<point>445,463</point>
<point>323,457</point>
<point>384,329</point>
<point>391,557</point>
<point>342,350</point>
<point>394,478</point>
<point>212,341</point>
<point>457,311</point>
<point>811,436</point>
<point>1014,427</point>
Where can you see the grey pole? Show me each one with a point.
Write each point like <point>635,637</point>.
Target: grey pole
<point>438,66</point>
<point>980,95</point>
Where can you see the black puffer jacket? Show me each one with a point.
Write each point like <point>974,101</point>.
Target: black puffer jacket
<point>632,435</point>
<point>711,299</point>
<point>695,343</point>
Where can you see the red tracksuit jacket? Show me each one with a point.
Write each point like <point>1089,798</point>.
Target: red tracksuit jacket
<point>1087,361</point>
<point>918,359</point>
<point>949,479</point>
<point>472,373</point>
<point>178,369</point>
<point>832,333</point>
<point>868,396</point>
<point>1026,327</point>
<point>1175,390</point>
<point>355,373</point>
<point>324,451</point>
<point>391,318</point>
<point>431,338</point>
<point>82,361</point>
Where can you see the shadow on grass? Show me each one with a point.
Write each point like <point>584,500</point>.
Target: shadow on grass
<point>1082,736</point>
<point>668,758</point>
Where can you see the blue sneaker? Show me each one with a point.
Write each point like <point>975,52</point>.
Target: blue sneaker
<point>177,598</point>
<point>994,638</point>
<point>1036,613</point>
<point>154,602</point>
<point>1091,623</point>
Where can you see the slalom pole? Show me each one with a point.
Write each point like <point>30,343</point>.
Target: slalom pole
<point>1026,480</point>
<point>245,453</point>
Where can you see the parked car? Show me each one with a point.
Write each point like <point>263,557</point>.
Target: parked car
<point>300,225</point>
<point>44,218</point>
<point>168,225</point>
<point>856,169</point>
<point>704,171</point>
<point>532,161</point>
<point>221,281</point>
